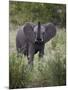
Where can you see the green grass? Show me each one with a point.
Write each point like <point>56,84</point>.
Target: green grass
<point>49,71</point>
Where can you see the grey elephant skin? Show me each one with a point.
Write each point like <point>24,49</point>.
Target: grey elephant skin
<point>31,38</point>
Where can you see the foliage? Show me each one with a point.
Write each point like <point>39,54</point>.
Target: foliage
<point>21,12</point>
<point>49,71</point>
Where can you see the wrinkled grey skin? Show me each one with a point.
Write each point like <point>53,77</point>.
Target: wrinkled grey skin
<point>31,39</point>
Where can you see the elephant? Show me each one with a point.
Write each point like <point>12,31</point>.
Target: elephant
<point>31,38</point>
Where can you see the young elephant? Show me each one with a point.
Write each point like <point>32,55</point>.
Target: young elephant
<point>31,39</point>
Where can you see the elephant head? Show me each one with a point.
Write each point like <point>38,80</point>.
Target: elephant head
<point>39,31</point>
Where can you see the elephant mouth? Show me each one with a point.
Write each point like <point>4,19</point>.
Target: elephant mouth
<point>39,41</point>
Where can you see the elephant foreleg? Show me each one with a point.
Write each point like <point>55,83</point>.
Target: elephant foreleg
<point>41,52</point>
<point>30,54</point>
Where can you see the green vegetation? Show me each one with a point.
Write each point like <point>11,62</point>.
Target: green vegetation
<point>49,71</point>
<point>21,12</point>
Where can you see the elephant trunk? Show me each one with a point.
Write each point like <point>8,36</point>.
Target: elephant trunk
<point>39,31</point>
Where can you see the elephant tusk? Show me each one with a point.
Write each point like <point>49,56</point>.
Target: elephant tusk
<point>35,40</point>
<point>42,40</point>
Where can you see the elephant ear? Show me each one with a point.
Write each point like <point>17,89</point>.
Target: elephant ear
<point>28,31</point>
<point>50,31</point>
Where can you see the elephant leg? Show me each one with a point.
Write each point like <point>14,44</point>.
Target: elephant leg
<point>41,51</point>
<point>30,59</point>
<point>30,54</point>
<point>18,53</point>
<point>41,54</point>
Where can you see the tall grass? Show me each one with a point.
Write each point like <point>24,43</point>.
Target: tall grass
<point>49,71</point>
